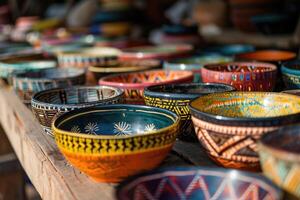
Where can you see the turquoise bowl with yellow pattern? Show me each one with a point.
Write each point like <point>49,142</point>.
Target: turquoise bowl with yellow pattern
<point>109,143</point>
<point>228,125</point>
<point>279,154</point>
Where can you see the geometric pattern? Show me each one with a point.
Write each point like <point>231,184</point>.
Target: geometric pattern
<point>198,184</point>
<point>229,147</point>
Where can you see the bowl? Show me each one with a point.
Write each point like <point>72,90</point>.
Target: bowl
<point>229,125</point>
<point>280,158</point>
<point>135,82</point>
<point>112,142</point>
<point>176,98</point>
<point>101,56</point>
<point>160,52</point>
<point>291,74</point>
<point>195,63</point>
<point>124,67</point>
<point>230,49</point>
<point>195,183</point>
<point>244,76</point>
<point>48,104</point>
<point>28,83</point>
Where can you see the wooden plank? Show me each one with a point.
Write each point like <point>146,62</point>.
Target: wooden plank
<point>48,170</point>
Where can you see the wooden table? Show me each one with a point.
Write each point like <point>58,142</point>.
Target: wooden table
<point>53,177</point>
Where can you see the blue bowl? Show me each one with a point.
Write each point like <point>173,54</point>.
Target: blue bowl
<point>198,183</point>
<point>291,74</point>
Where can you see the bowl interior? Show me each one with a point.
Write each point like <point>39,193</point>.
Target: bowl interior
<point>241,67</point>
<point>268,55</point>
<point>293,65</point>
<point>120,120</point>
<point>149,77</point>
<point>80,95</point>
<point>52,73</point>
<point>248,104</point>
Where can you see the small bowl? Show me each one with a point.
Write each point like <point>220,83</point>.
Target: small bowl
<point>273,56</point>
<point>112,142</point>
<point>124,67</point>
<point>160,52</point>
<point>291,74</point>
<point>101,56</point>
<point>280,158</point>
<point>176,98</point>
<point>231,49</point>
<point>244,76</point>
<point>51,103</point>
<point>134,83</point>
<point>195,183</point>
<point>26,84</point>
<point>195,63</point>
<point>228,125</point>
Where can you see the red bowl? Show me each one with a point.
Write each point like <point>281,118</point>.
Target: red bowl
<point>244,76</point>
<point>275,56</point>
<point>134,83</point>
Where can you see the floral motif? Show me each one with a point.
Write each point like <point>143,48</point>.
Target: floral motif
<point>150,127</point>
<point>91,128</point>
<point>75,129</point>
<point>122,128</point>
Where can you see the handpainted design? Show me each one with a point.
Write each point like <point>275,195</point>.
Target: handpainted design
<point>122,128</point>
<point>75,129</point>
<point>91,128</point>
<point>150,127</point>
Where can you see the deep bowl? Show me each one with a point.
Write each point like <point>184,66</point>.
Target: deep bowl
<point>176,98</point>
<point>112,142</point>
<point>244,76</point>
<point>280,158</point>
<point>134,83</point>
<point>291,74</point>
<point>229,124</point>
<point>274,56</point>
<point>195,63</point>
<point>195,183</point>
<point>51,103</point>
<point>101,56</point>
<point>124,67</point>
<point>26,84</point>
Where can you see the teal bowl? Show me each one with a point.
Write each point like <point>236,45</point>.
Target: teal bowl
<point>291,74</point>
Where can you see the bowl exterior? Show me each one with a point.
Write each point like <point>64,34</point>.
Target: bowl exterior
<point>111,160</point>
<point>291,77</point>
<point>231,146</point>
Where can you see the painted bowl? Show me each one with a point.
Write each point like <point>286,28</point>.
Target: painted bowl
<point>231,49</point>
<point>134,83</point>
<point>124,67</point>
<point>161,52</point>
<point>228,125</point>
<point>280,158</point>
<point>28,83</point>
<point>197,183</point>
<point>176,98</point>
<point>88,57</point>
<point>112,142</point>
<point>244,76</point>
<point>51,103</point>
<point>291,74</point>
<point>195,63</point>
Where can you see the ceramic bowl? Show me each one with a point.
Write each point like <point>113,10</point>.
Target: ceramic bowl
<point>51,103</point>
<point>280,158</point>
<point>26,84</point>
<point>112,142</point>
<point>195,63</point>
<point>134,83</point>
<point>244,76</point>
<point>195,183</point>
<point>228,125</point>
<point>176,97</point>
<point>161,52</point>
<point>231,49</point>
<point>124,67</point>
<point>88,57</point>
<point>291,74</point>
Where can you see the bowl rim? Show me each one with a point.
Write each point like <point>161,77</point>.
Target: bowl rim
<point>287,67</point>
<point>275,150</point>
<point>245,56</point>
<point>173,169</point>
<point>82,111</point>
<point>242,121</point>
<point>35,100</point>
<point>270,67</point>
<point>149,90</point>
<point>99,52</point>
<point>105,80</point>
